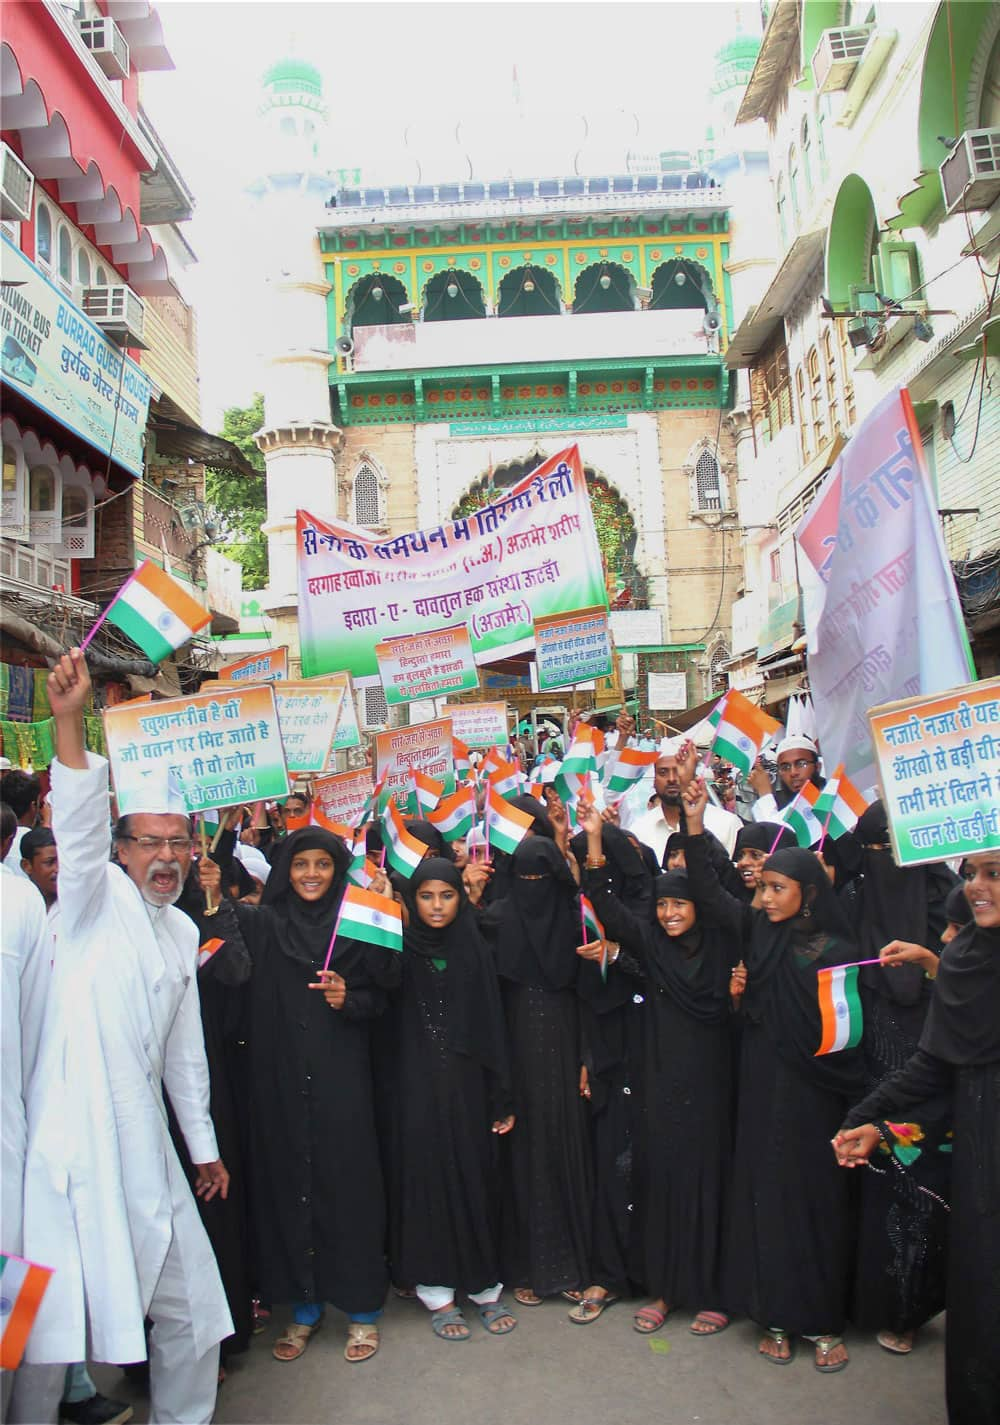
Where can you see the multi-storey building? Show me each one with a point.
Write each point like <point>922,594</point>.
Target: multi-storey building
<point>99,361</point>
<point>434,341</point>
<point>883,125</point>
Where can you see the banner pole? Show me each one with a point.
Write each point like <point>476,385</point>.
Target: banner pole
<point>204,853</point>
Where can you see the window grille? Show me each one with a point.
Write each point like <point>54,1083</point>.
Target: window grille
<point>376,708</point>
<point>716,672</point>
<point>708,481</point>
<point>367,510</point>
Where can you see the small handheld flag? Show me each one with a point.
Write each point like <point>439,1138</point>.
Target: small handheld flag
<point>839,1008</point>
<point>403,851</point>
<point>22,1286</point>
<point>454,815</point>
<point>505,780</point>
<point>155,611</point>
<point>425,792</point>
<point>506,825</point>
<point>593,930</point>
<point>800,817</point>
<point>626,768</point>
<point>206,951</point>
<point>741,729</point>
<point>839,806</point>
<point>363,915</point>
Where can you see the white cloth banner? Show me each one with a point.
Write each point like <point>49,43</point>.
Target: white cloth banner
<point>882,612</point>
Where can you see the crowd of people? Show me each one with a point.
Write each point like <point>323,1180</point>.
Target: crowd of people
<point>591,1073</point>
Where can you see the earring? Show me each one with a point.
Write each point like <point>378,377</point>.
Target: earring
<point>806,912</point>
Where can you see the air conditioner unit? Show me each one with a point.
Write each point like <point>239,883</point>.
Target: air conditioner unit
<point>837,56</point>
<point>970,175</point>
<point>17,188</point>
<point>118,311</point>
<point>108,46</point>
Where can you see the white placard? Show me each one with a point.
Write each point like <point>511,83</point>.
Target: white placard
<point>666,692</point>
<point>637,628</point>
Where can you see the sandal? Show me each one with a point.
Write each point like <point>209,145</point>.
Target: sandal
<point>450,1317</point>
<point>589,1308</point>
<point>649,1319</point>
<point>573,1296</point>
<point>899,1343</point>
<point>713,1321</point>
<point>780,1338</point>
<point>524,1296</point>
<point>294,1341</point>
<point>363,1335</point>
<point>492,1314</point>
<point>824,1345</point>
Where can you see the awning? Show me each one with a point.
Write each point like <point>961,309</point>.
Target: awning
<point>756,328</point>
<point>176,436</point>
<point>778,689</point>
<point>781,629</point>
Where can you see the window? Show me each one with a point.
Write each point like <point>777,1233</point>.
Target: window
<point>83,268</point>
<point>793,184</point>
<point>9,472</point>
<point>43,235</point>
<point>376,708</point>
<point>102,278</point>
<point>850,411</point>
<point>42,490</point>
<point>44,505</point>
<point>830,372</point>
<point>805,139</point>
<point>800,392</point>
<point>817,399</point>
<point>65,254</point>
<point>781,202</point>
<point>775,566</point>
<point>771,390</point>
<point>708,482</point>
<point>718,681</point>
<point>367,505</point>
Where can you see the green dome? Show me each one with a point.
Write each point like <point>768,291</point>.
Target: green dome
<point>734,62</point>
<point>293,74</point>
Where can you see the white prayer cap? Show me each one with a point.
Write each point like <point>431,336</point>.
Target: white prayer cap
<point>255,861</point>
<point>669,746</point>
<point>159,793</point>
<point>5,764</point>
<point>799,743</point>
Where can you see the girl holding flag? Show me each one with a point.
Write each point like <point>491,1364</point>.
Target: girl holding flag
<point>451,1099</point>
<point>318,1198</point>
<point>787,1243</point>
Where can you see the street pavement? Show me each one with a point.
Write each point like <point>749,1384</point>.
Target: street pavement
<point>551,1372</point>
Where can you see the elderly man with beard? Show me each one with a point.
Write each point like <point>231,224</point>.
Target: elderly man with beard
<point>106,1201</point>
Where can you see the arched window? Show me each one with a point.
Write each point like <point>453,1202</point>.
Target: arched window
<point>817,399</point>
<point>716,673</point>
<point>800,393</point>
<point>83,267</point>
<point>781,202</point>
<point>42,490</point>
<point>64,246</point>
<point>830,371</point>
<point>102,277</point>
<point>43,235</point>
<point>850,411</point>
<point>805,143</point>
<point>365,498</point>
<point>793,184</point>
<point>708,482</point>
<point>824,167</point>
<point>10,471</point>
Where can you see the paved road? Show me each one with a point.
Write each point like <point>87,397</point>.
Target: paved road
<point>550,1372</point>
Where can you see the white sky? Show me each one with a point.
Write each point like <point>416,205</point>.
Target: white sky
<point>390,66</point>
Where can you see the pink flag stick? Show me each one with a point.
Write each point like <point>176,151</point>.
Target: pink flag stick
<point>826,824</point>
<point>583,921</point>
<point>333,937</point>
<point>876,961</point>
<point>103,616</point>
<point>784,826</point>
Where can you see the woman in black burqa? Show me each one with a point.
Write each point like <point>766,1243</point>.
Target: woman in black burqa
<point>900,1260</point>
<point>787,1246</point>
<point>959,1056</point>
<point>451,1102</point>
<point>682,1090</point>
<point>534,931</point>
<point>318,1183</point>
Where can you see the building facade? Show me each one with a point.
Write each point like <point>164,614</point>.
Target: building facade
<point>882,275</point>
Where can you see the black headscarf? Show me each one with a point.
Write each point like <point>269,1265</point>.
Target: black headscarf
<point>957,910</point>
<point>428,833</point>
<point>676,841</point>
<point>763,836</point>
<point>532,807</point>
<point>893,902</point>
<point>537,924</point>
<point>630,872</point>
<point>963,1020</point>
<point>692,968</point>
<point>303,928</point>
<point>475,1016</point>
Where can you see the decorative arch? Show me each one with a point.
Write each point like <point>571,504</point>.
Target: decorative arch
<point>374,301</point>
<point>617,532</point>
<point>604,287</point>
<point>851,241</point>
<point>453,296</point>
<point>529,291</point>
<point>717,655</point>
<point>708,485</point>
<point>682,283</point>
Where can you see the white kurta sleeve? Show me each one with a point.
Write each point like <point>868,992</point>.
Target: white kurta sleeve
<point>185,1075</point>
<point>82,829</point>
<point>764,808</point>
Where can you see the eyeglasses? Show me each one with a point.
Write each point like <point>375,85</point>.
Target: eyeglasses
<point>178,844</point>
<point>799,765</point>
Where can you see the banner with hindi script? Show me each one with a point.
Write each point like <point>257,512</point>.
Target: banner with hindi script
<point>882,612</point>
<point>307,715</point>
<point>530,553</point>
<point>478,724</point>
<point>427,665</point>
<point>223,745</point>
<point>939,772</point>
<point>342,795</point>
<point>572,648</point>
<point>263,667</point>
<point>425,748</point>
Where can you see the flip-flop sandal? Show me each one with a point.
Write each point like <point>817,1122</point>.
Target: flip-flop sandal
<point>492,1313</point>
<point>779,1338</point>
<point>589,1308</point>
<point>824,1345</point>
<point>451,1317</point>
<point>573,1296</point>
<point>297,1339</point>
<point>716,1320</point>
<point>361,1333</point>
<point>890,1341</point>
<point>648,1319</point>
<point>524,1296</point>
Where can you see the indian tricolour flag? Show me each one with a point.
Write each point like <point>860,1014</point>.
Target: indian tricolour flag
<point>155,612</point>
<point>741,729</point>
<point>506,779</point>
<point>22,1286</point>
<point>377,920</point>
<point>375,798</point>
<point>626,768</point>
<point>506,825</point>
<point>403,851</point>
<point>462,758</point>
<point>207,950</point>
<point>361,870</point>
<point>800,815</point>
<point>839,805</point>
<point>593,930</point>
<point>579,762</point>
<point>425,792</point>
<point>453,816</point>
<point>338,828</point>
<point>840,1008</point>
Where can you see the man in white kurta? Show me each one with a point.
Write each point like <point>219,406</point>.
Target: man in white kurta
<point>107,1203</point>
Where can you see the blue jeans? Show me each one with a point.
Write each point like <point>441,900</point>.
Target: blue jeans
<point>307,1313</point>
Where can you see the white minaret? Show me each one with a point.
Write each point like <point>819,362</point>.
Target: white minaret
<point>299,441</point>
